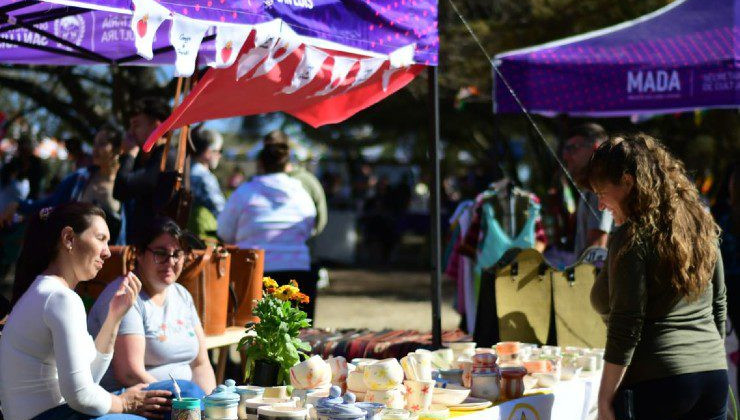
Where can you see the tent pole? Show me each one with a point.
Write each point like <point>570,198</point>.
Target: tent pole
<point>434,207</point>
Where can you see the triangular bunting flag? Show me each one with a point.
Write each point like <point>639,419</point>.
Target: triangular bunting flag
<point>279,52</point>
<point>368,67</point>
<point>185,36</point>
<point>342,66</point>
<point>229,41</point>
<point>147,18</point>
<point>308,68</point>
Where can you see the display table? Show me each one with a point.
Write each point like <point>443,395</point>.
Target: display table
<point>232,335</point>
<point>568,400</point>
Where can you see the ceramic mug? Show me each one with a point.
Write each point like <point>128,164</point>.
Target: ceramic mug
<point>339,369</point>
<point>486,386</point>
<point>383,375</point>
<point>442,359</point>
<point>588,363</point>
<point>467,371</point>
<point>356,382</point>
<point>311,373</point>
<point>360,363</point>
<point>392,398</point>
<point>462,349</point>
<point>422,365</point>
<point>419,395</point>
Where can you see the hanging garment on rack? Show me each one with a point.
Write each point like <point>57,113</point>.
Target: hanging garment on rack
<point>496,242</point>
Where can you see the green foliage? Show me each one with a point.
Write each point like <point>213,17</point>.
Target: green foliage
<point>275,337</point>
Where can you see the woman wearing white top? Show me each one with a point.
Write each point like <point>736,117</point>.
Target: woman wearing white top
<point>274,212</point>
<point>49,365</point>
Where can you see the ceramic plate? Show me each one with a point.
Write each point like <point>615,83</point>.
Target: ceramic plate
<point>471,404</point>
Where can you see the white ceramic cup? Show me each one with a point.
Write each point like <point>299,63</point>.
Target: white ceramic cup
<point>392,398</point>
<point>383,375</point>
<point>311,373</point>
<point>356,382</point>
<point>419,395</point>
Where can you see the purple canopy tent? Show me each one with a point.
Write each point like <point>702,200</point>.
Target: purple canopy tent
<point>65,32</point>
<point>681,57</point>
<point>148,32</point>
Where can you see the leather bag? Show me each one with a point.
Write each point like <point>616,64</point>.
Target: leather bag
<point>205,275</point>
<point>247,270</point>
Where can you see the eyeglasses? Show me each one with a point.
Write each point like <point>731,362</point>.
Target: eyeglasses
<point>161,256</point>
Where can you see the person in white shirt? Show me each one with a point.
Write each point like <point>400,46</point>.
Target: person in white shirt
<point>49,365</point>
<point>274,212</point>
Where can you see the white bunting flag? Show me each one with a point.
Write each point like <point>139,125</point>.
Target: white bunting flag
<point>368,67</point>
<point>308,68</point>
<point>403,57</point>
<point>279,52</point>
<point>147,18</point>
<point>185,36</point>
<point>229,41</point>
<point>387,76</point>
<point>263,43</point>
<point>342,66</point>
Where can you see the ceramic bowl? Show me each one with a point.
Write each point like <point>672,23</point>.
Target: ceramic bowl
<point>450,395</point>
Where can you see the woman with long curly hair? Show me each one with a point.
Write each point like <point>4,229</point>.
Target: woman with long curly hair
<point>662,292</point>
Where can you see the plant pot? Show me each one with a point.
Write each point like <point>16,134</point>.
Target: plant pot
<point>264,373</point>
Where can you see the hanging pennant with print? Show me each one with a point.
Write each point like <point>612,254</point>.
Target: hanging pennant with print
<point>368,67</point>
<point>308,68</point>
<point>229,41</point>
<point>147,18</point>
<point>266,35</point>
<point>342,66</point>
<point>185,36</point>
<point>283,48</point>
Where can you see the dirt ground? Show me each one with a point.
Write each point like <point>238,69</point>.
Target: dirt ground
<point>379,299</point>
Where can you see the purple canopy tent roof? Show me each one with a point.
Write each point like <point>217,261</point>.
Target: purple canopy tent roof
<point>681,57</point>
<point>69,32</point>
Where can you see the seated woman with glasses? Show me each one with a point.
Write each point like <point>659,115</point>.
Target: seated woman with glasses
<point>161,333</point>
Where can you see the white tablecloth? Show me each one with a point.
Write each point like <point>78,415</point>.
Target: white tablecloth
<point>569,400</point>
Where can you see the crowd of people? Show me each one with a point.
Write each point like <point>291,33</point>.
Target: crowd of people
<point>663,292</point>
<point>145,324</point>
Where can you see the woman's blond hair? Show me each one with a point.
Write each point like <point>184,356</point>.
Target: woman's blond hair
<point>664,209</point>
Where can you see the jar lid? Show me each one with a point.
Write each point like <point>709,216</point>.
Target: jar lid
<point>249,390</point>
<point>335,397</point>
<point>370,407</point>
<point>347,408</point>
<point>259,402</point>
<point>222,396</point>
<point>185,403</point>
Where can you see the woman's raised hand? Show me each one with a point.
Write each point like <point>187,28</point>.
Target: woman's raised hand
<point>125,296</point>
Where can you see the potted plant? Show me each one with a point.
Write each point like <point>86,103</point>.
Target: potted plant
<point>272,345</point>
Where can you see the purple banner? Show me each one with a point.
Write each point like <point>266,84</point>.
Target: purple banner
<point>681,57</point>
<point>380,26</point>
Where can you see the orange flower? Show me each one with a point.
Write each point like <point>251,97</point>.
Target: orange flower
<point>301,298</point>
<point>270,290</point>
<point>294,283</point>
